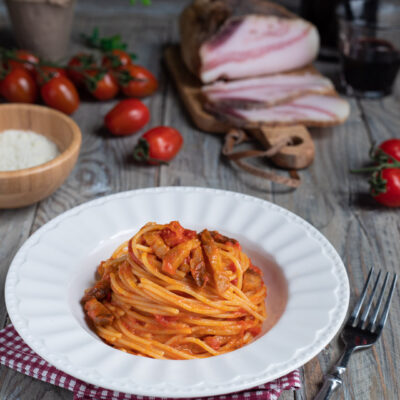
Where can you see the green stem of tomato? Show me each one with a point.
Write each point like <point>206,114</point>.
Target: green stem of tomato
<point>374,168</point>
<point>159,162</point>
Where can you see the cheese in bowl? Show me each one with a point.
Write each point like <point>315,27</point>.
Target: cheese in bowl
<point>21,149</point>
<point>39,147</point>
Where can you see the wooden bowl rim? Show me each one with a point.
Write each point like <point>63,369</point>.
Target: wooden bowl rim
<point>73,146</point>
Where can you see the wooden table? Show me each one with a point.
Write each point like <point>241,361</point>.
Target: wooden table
<point>330,198</point>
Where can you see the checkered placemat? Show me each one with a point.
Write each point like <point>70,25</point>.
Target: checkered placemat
<point>14,353</point>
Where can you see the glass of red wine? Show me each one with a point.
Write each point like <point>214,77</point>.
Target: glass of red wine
<point>369,46</point>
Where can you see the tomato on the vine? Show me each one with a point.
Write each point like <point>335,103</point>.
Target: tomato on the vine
<point>25,56</point>
<point>61,94</point>
<point>19,87</point>
<point>392,148</point>
<point>44,73</point>
<point>127,117</point>
<point>160,144</point>
<point>115,59</point>
<point>77,65</point>
<point>103,86</point>
<point>137,81</point>
<point>385,173</point>
<point>391,195</point>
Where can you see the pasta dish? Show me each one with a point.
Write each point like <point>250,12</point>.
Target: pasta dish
<point>172,293</point>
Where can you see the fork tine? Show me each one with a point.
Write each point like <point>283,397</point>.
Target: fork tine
<point>360,301</point>
<point>385,313</point>
<point>379,303</point>
<point>368,306</point>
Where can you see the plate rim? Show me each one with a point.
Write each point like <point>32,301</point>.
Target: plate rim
<point>179,392</point>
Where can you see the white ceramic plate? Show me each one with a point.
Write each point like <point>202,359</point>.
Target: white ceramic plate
<point>48,276</point>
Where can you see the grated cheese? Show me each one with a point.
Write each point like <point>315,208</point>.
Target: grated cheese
<point>24,149</point>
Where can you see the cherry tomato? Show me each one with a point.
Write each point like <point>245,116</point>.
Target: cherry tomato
<point>102,86</point>
<point>391,196</point>
<point>45,73</point>
<point>140,83</point>
<point>83,61</point>
<point>392,148</point>
<point>115,59</point>
<point>23,55</point>
<point>157,145</point>
<point>61,94</point>
<point>19,87</point>
<point>127,117</point>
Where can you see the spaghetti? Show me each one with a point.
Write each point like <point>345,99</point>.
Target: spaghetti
<point>171,293</point>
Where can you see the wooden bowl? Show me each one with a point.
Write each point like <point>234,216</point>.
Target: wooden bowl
<point>27,186</point>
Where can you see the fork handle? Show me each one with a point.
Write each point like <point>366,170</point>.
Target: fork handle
<point>334,380</point>
<point>331,383</point>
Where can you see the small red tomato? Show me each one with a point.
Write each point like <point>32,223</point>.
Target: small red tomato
<point>19,87</point>
<point>45,73</point>
<point>392,148</point>
<point>391,196</point>
<point>61,94</point>
<point>136,81</point>
<point>127,117</point>
<point>116,59</point>
<point>103,86</point>
<point>25,56</point>
<point>77,65</point>
<point>158,145</point>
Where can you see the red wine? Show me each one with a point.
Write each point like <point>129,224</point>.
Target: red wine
<point>371,66</point>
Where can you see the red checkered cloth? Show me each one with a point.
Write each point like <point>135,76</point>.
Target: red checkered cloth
<point>14,353</point>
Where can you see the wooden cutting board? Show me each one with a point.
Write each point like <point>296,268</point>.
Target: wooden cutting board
<point>298,155</point>
<point>189,88</point>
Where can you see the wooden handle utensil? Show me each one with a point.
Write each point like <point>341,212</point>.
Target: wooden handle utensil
<point>299,151</point>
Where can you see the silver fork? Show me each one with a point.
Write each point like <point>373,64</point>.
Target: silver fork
<point>359,332</point>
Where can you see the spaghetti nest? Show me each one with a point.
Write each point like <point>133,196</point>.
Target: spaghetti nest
<point>171,293</point>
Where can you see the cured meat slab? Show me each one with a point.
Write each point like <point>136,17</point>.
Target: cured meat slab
<point>231,39</point>
<point>266,91</point>
<point>309,110</point>
<point>189,89</point>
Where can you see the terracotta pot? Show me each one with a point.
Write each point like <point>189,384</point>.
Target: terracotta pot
<point>42,26</point>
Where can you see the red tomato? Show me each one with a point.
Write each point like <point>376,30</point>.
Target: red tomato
<point>115,59</point>
<point>61,94</point>
<point>127,117</point>
<point>45,73</point>
<point>391,196</point>
<point>19,87</point>
<point>392,148</point>
<point>26,56</point>
<point>102,86</point>
<point>80,61</point>
<point>159,144</point>
<point>140,83</point>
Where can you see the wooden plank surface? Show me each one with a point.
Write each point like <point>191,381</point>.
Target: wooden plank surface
<point>332,199</point>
